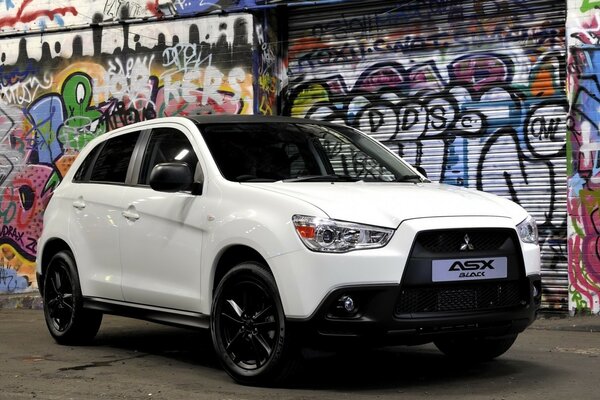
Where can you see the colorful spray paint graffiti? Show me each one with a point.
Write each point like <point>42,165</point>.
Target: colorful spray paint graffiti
<point>60,90</point>
<point>267,65</point>
<point>582,157</point>
<point>32,16</point>
<point>478,104</point>
<point>25,12</point>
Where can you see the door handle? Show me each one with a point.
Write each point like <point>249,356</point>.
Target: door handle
<point>131,214</point>
<point>79,204</point>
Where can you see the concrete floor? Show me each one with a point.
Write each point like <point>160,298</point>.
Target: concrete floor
<point>554,359</point>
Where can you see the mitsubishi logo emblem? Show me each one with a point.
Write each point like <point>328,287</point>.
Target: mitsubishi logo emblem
<point>467,245</point>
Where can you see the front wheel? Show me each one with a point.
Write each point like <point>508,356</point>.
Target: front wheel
<point>476,348</point>
<point>248,327</point>
<point>68,322</point>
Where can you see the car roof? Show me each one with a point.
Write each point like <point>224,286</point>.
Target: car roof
<point>237,119</point>
<point>215,119</point>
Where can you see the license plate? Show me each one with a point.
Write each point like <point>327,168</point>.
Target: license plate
<point>469,269</point>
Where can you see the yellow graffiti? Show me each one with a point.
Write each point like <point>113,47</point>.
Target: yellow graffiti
<point>587,278</point>
<point>267,83</point>
<point>265,107</point>
<point>307,98</point>
<point>10,258</point>
<point>94,70</point>
<point>590,200</point>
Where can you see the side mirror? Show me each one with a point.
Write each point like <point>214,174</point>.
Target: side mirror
<point>421,170</point>
<point>171,177</point>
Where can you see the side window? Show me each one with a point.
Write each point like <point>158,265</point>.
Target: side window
<point>82,173</point>
<point>167,145</point>
<point>113,160</point>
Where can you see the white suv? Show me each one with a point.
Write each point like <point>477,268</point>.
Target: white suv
<point>277,233</point>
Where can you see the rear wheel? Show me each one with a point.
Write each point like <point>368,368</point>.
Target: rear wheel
<point>248,327</point>
<point>476,348</point>
<point>67,320</point>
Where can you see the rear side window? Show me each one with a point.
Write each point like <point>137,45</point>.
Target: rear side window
<point>84,170</point>
<point>113,161</point>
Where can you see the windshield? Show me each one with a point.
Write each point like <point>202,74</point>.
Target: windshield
<point>290,152</point>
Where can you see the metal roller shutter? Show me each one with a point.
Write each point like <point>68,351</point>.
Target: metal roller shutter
<point>473,91</point>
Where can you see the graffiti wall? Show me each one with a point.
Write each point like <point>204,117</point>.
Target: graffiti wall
<point>583,26</point>
<point>473,91</point>
<point>47,15</point>
<point>60,90</point>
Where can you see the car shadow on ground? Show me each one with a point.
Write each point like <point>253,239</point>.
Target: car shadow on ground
<point>397,368</point>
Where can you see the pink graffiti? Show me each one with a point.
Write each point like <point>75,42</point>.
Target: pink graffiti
<point>591,30</point>
<point>575,267</point>
<point>225,104</point>
<point>480,71</point>
<point>22,206</point>
<point>382,77</point>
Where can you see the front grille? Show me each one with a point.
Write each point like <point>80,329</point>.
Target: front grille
<point>473,297</point>
<point>444,241</point>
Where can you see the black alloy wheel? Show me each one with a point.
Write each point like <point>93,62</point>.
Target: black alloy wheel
<point>68,322</point>
<point>248,327</point>
<point>58,295</point>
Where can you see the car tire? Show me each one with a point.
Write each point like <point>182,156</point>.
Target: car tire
<point>250,335</point>
<point>476,348</point>
<point>68,322</point>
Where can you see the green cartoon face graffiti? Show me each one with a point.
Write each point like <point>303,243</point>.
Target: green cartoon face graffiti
<point>83,122</point>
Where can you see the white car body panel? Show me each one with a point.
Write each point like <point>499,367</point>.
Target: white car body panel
<point>94,235</point>
<point>161,251</point>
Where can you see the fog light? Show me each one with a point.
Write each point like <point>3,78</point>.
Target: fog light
<point>536,292</point>
<point>347,303</point>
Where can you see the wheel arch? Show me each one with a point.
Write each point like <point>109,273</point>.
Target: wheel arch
<point>51,247</point>
<point>232,256</point>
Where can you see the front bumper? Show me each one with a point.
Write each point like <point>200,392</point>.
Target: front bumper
<point>377,322</point>
<point>305,278</point>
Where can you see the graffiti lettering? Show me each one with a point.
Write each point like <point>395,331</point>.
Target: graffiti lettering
<point>11,233</point>
<point>185,57</point>
<point>7,280</point>
<point>122,9</point>
<point>24,91</point>
<point>129,78</point>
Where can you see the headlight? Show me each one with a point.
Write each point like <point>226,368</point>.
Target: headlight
<point>528,231</point>
<point>330,236</point>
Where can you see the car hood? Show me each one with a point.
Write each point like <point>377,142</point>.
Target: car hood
<point>388,204</point>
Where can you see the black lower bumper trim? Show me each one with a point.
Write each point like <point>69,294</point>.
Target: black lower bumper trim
<point>375,320</point>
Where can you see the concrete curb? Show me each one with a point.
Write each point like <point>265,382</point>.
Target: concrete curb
<point>577,323</point>
<point>30,300</point>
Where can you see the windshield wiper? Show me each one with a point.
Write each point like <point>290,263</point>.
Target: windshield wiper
<point>409,178</point>
<point>323,178</point>
<point>252,178</point>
